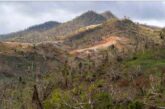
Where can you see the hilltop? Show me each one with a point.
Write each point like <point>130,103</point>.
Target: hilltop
<point>108,15</point>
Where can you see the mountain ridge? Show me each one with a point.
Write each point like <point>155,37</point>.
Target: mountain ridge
<point>43,26</point>
<point>85,19</point>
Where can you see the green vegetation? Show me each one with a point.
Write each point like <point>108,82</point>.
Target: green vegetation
<point>136,105</point>
<point>148,59</point>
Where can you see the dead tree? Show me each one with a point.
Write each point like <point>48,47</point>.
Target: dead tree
<point>36,100</point>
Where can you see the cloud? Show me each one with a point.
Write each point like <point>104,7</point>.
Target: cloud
<point>152,22</point>
<point>16,16</point>
<point>163,2</point>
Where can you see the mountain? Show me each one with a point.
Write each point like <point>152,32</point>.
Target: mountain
<point>44,26</point>
<point>86,19</point>
<point>108,15</point>
<point>33,31</point>
<point>98,64</point>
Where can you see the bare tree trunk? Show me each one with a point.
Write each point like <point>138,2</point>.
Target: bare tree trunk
<point>35,100</point>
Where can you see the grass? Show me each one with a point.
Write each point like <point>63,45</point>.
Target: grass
<point>147,59</point>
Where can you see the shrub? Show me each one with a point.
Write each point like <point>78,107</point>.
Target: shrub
<point>103,101</point>
<point>135,105</point>
<point>57,100</point>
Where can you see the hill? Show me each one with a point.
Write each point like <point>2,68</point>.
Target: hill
<point>119,64</point>
<point>33,31</point>
<point>86,19</point>
<point>116,64</point>
<point>120,28</point>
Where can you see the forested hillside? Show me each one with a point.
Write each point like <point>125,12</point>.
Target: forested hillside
<point>86,63</point>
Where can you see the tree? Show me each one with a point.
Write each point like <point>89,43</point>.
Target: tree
<point>35,99</point>
<point>162,33</point>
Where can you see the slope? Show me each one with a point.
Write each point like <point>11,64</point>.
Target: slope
<point>19,58</point>
<point>44,26</point>
<point>32,33</point>
<point>124,27</point>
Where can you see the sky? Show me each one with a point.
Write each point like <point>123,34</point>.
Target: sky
<point>15,16</point>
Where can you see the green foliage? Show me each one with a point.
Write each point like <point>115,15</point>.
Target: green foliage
<point>150,58</point>
<point>136,105</point>
<point>57,100</point>
<point>103,100</point>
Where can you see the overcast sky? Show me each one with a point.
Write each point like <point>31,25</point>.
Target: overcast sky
<point>16,16</point>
